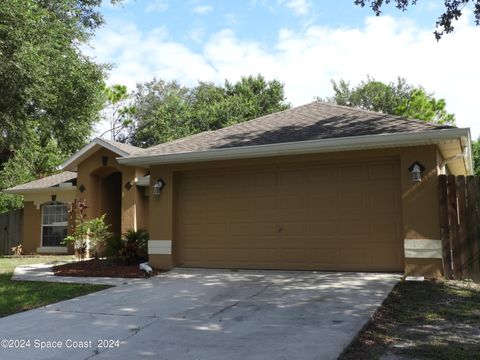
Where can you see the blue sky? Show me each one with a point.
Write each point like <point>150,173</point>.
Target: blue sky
<point>303,43</point>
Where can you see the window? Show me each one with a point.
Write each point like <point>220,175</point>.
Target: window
<point>54,224</point>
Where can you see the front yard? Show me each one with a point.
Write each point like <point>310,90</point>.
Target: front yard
<point>423,320</point>
<point>16,296</point>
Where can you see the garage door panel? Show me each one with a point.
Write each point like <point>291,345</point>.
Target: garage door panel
<point>352,200</point>
<point>344,216</point>
<point>321,257</point>
<point>323,201</point>
<point>387,170</point>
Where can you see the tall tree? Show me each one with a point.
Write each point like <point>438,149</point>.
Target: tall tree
<point>166,111</point>
<point>50,93</point>
<point>453,10</point>
<point>117,111</point>
<point>398,98</point>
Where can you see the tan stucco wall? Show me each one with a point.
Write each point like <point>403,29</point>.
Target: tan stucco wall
<point>419,200</point>
<point>32,221</point>
<point>90,173</point>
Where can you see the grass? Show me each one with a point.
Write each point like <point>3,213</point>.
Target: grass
<point>427,320</point>
<point>17,296</point>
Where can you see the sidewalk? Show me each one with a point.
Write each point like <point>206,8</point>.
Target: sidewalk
<point>44,272</point>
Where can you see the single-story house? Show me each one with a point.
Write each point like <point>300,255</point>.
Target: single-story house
<point>316,187</point>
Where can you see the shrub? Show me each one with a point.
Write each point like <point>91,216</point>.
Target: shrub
<point>134,245</point>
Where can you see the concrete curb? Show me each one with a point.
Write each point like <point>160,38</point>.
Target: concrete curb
<point>44,273</point>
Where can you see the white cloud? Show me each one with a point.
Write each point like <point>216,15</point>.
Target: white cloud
<point>157,6</point>
<point>307,60</point>
<point>299,7</point>
<point>202,9</point>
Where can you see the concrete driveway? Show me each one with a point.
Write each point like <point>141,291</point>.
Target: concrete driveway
<point>205,314</point>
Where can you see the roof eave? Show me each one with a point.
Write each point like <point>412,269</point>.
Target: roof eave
<point>40,190</point>
<point>365,142</point>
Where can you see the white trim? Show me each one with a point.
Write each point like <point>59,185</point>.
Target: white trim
<point>160,247</point>
<point>73,161</point>
<point>53,249</point>
<point>305,147</point>
<point>423,248</point>
<point>51,189</point>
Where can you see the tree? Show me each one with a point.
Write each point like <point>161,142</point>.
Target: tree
<point>167,111</point>
<point>452,12</point>
<point>117,111</point>
<point>397,98</point>
<point>476,156</point>
<point>50,93</point>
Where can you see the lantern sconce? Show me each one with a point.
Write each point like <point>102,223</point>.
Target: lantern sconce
<point>158,186</point>
<point>104,160</point>
<point>416,169</point>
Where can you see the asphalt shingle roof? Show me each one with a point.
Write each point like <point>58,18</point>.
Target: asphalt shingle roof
<point>314,121</point>
<point>46,182</point>
<point>129,149</point>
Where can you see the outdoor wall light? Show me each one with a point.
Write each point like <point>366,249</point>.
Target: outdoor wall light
<point>158,186</point>
<point>416,169</point>
<point>104,160</point>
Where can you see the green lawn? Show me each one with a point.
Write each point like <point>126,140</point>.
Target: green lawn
<point>423,320</point>
<point>16,296</point>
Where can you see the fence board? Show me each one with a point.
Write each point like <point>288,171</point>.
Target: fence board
<point>459,202</point>
<point>10,230</point>
<point>472,253</point>
<point>453,220</point>
<point>462,235</point>
<point>445,228</point>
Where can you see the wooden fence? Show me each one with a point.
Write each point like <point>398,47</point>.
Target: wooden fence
<point>10,230</point>
<point>460,225</point>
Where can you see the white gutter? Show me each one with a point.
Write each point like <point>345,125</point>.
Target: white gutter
<point>305,147</point>
<point>56,189</point>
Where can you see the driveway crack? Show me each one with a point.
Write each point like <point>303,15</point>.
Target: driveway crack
<point>228,307</point>
<point>135,331</point>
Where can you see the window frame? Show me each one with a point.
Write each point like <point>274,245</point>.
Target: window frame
<point>52,224</point>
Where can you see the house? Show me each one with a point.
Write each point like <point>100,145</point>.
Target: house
<point>316,187</point>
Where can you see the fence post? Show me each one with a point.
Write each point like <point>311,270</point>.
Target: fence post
<point>471,224</point>
<point>445,228</point>
<point>453,220</point>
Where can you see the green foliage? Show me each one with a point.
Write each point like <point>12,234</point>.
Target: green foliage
<point>167,111</point>
<point>50,93</point>
<point>98,233</point>
<point>397,98</point>
<point>92,234</point>
<point>453,11</point>
<point>117,111</point>
<point>134,246</point>
<point>27,163</point>
<point>476,156</point>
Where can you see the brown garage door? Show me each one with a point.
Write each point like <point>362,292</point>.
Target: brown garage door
<point>343,216</point>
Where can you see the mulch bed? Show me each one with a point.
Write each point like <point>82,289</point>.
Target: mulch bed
<point>100,268</point>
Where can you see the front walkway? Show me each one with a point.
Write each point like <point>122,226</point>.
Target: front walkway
<point>205,314</point>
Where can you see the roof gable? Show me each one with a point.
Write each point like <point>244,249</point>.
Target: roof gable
<point>118,148</point>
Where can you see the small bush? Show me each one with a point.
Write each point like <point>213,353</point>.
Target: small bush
<point>134,246</point>
<point>113,246</point>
